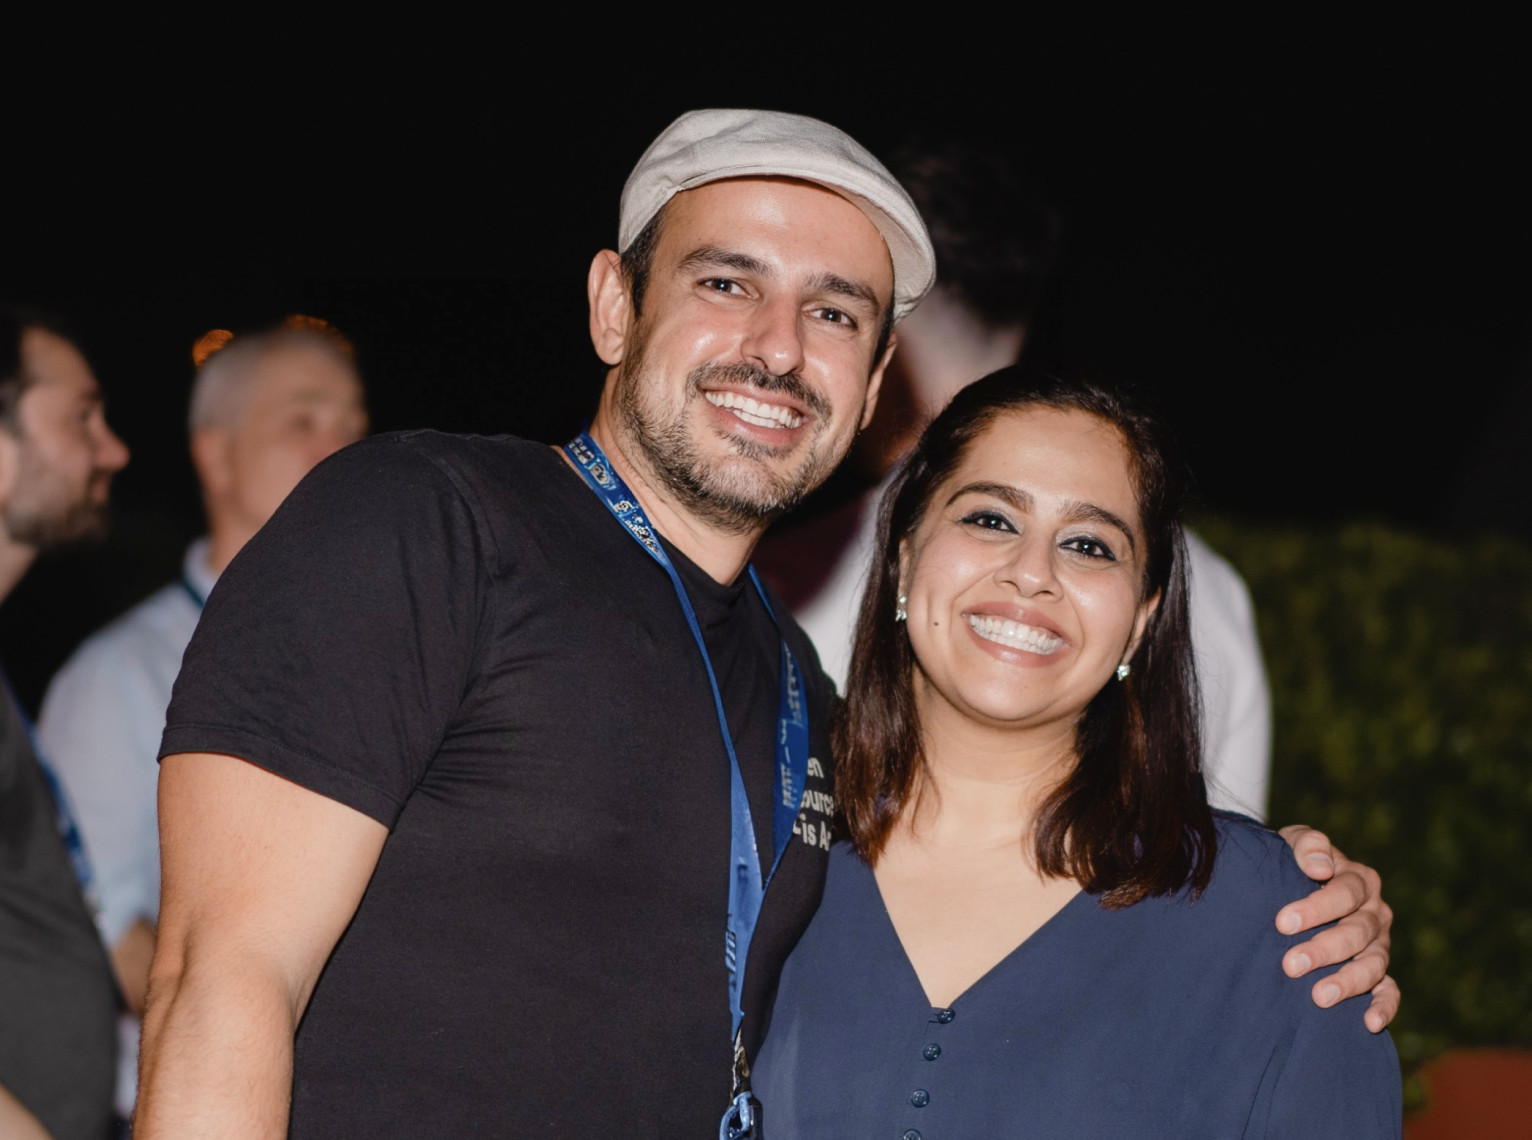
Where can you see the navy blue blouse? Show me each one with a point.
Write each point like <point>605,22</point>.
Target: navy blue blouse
<point>1170,1018</point>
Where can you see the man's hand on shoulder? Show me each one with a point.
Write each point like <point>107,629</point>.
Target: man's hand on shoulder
<point>1352,899</point>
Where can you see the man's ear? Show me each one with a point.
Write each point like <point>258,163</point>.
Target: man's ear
<point>875,381</point>
<point>210,448</point>
<point>10,462</point>
<point>611,307</point>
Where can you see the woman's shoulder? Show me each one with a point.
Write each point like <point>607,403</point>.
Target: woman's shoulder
<point>1254,876</point>
<point>1254,861</point>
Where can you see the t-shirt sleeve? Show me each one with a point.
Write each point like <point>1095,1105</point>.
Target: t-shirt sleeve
<point>337,646</point>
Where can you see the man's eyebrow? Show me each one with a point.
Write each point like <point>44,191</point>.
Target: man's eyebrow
<point>712,257</point>
<point>1074,510</point>
<point>855,290</point>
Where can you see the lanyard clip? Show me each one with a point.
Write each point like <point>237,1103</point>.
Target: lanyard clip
<point>739,1119</point>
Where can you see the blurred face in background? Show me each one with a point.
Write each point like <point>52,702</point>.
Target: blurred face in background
<point>59,454</point>
<point>304,403</point>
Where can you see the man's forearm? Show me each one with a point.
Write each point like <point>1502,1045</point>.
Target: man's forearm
<point>217,1054</point>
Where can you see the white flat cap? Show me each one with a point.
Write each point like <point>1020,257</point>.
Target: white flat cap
<point>705,146</point>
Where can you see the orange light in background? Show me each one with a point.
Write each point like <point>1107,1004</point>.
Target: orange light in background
<point>209,343</point>
<point>298,322</point>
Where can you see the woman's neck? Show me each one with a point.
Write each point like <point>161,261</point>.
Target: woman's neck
<point>981,784</point>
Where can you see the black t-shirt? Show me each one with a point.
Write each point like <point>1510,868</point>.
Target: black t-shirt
<point>454,636</point>
<point>58,1001</point>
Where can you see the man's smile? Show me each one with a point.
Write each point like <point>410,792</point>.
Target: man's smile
<point>754,411</point>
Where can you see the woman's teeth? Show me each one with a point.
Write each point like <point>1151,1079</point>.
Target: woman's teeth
<point>1014,635</point>
<point>753,411</point>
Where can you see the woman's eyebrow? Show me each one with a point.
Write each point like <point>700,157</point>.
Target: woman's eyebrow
<point>1015,496</point>
<point>1073,509</point>
<point>1076,511</point>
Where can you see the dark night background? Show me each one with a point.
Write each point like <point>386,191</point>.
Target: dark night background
<point>1314,248</point>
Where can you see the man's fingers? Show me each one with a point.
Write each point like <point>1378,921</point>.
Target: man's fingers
<point>1336,899</point>
<point>1355,935</point>
<point>1385,1004</point>
<point>1358,976</point>
<point>1315,854</point>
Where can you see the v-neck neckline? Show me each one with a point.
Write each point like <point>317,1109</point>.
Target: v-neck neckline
<point>1079,899</point>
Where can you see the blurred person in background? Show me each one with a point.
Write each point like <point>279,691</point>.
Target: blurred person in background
<point>58,1003</point>
<point>996,247</point>
<point>265,409</point>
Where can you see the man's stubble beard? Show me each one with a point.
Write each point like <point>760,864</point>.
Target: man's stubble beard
<point>741,495</point>
<point>45,515</point>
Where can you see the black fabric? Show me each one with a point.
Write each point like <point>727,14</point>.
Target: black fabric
<point>453,636</point>
<point>58,1001</point>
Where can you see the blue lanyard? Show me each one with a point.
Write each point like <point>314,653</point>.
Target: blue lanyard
<point>192,591</point>
<point>747,886</point>
<point>62,816</point>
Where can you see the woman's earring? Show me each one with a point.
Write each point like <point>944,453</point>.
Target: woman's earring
<point>1122,672</point>
<point>900,614</point>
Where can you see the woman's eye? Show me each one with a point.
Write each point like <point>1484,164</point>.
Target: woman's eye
<point>988,520</point>
<point>1091,548</point>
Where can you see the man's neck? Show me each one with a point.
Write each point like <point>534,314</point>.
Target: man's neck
<point>723,555</point>
<point>15,561</point>
<point>225,540</point>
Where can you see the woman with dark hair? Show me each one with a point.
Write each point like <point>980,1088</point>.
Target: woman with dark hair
<point>1036,925</point>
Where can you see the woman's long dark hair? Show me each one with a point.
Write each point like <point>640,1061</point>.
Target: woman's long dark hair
<point>1132,819</point>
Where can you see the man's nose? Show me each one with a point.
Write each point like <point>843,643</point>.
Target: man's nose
<point>111,452</point>
<point>774,338</point>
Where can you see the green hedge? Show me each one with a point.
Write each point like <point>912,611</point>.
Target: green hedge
<point>1401,676</point>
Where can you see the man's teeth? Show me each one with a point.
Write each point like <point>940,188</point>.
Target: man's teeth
<point>1014,634</point>
<point>753,411</point>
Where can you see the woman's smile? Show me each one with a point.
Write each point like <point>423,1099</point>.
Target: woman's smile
<point>1024,579</point>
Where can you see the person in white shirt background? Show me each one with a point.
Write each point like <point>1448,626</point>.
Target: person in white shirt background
<point>265,408</point>
<point>996,245</point>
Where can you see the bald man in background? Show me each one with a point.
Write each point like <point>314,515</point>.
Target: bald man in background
<point>265,409</point>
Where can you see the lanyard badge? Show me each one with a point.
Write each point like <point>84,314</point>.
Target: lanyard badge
<point>747,885</point>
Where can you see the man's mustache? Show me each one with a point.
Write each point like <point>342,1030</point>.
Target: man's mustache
<point>743,372</point>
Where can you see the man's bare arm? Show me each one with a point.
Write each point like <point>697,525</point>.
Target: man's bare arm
<point>16,1123</point>
<point>1360,939</point>
<point>260,878</point>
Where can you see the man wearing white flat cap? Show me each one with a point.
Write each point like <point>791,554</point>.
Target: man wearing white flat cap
<point>491,773</point>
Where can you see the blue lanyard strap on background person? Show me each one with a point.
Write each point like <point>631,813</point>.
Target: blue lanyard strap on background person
<point>747,885</point>
<point>192,592</point>
<point>63,817</point>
